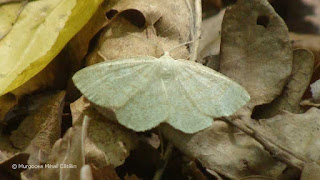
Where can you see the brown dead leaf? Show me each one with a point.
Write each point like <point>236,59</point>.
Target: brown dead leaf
<point>309,103</point>
<point>66,151</point>
<point>311,42</point>
<point>6,167</point>
<point>7,102</point>
<point>108,143</point>
<point>132,177</point>
<point>311,172</point>
<point>106,173</point>
<point>297,132</point>
<point>6,149</point>
<point>315,89</point>
<point>38,132</point>
<point>257,178</point>
<point>54,75</point>
<point>255,50</point>
<point>298,83</point>
<point>78,46</point>
<point>77,108</point>
<point>231,154</point>
<point>86,173</point>
<point>307,41</point>
<point>211,36</point>
<point>153,20</point>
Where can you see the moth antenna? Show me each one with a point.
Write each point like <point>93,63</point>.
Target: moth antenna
<point>180,45</point>
<point>147,41</point>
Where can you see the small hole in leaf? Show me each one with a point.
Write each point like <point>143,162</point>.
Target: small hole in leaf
<point>110,14</point>
<point>263,21</point>
<point>135,17</point>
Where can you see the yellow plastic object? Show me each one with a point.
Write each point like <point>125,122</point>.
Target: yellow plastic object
<point>40,32</point>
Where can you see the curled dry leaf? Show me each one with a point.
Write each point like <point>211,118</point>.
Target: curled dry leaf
<point>152,20</point>
<point>307,41</point>
<point>256,51</point>
<point>38,132</point>
<point>231,154</point>
<point>298,83</point>
<point>107,143</point>
<point>311,42</point>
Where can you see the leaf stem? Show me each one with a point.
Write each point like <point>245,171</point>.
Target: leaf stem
<point>277,151</point>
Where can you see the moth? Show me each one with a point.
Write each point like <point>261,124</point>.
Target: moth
<point>146,91</point>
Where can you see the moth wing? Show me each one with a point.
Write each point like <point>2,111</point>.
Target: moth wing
<point>147,109</point>
<point>212,93</point>
<point>183,115</point>
<point>111,84</point>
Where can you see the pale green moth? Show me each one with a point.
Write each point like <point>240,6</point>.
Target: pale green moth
<point>146,91</point>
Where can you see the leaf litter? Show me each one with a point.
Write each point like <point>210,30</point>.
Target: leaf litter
<point>263,62</point>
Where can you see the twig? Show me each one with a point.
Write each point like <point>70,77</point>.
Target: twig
<point>166,157</point>
<point>281,153</point>
<point>84,130</point>
<point>196,30</point>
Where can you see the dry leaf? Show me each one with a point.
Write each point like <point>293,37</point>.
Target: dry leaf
<point>66,151</point>
<point>8,168</point>
<point>211,36</point>
<point>153,20</point>
<point>311,42</point>
<point>315,88</point>
<point>53,76</point>
<point>132,177</point>
<point>38,132</point>
<point>77,108</point>
<point>298,83</point>
<point>106,173</point>
<point>297,132</point>
<point>7,102</point>
<point>255,50</point>
<point>311,172</point>
<point>231,154</point>
<point>86,173</point>
<point>108,143</point>
<point>78,46</point>
<point>257,178</point>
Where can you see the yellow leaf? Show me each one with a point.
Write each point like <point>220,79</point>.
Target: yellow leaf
<point>40,32</point>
